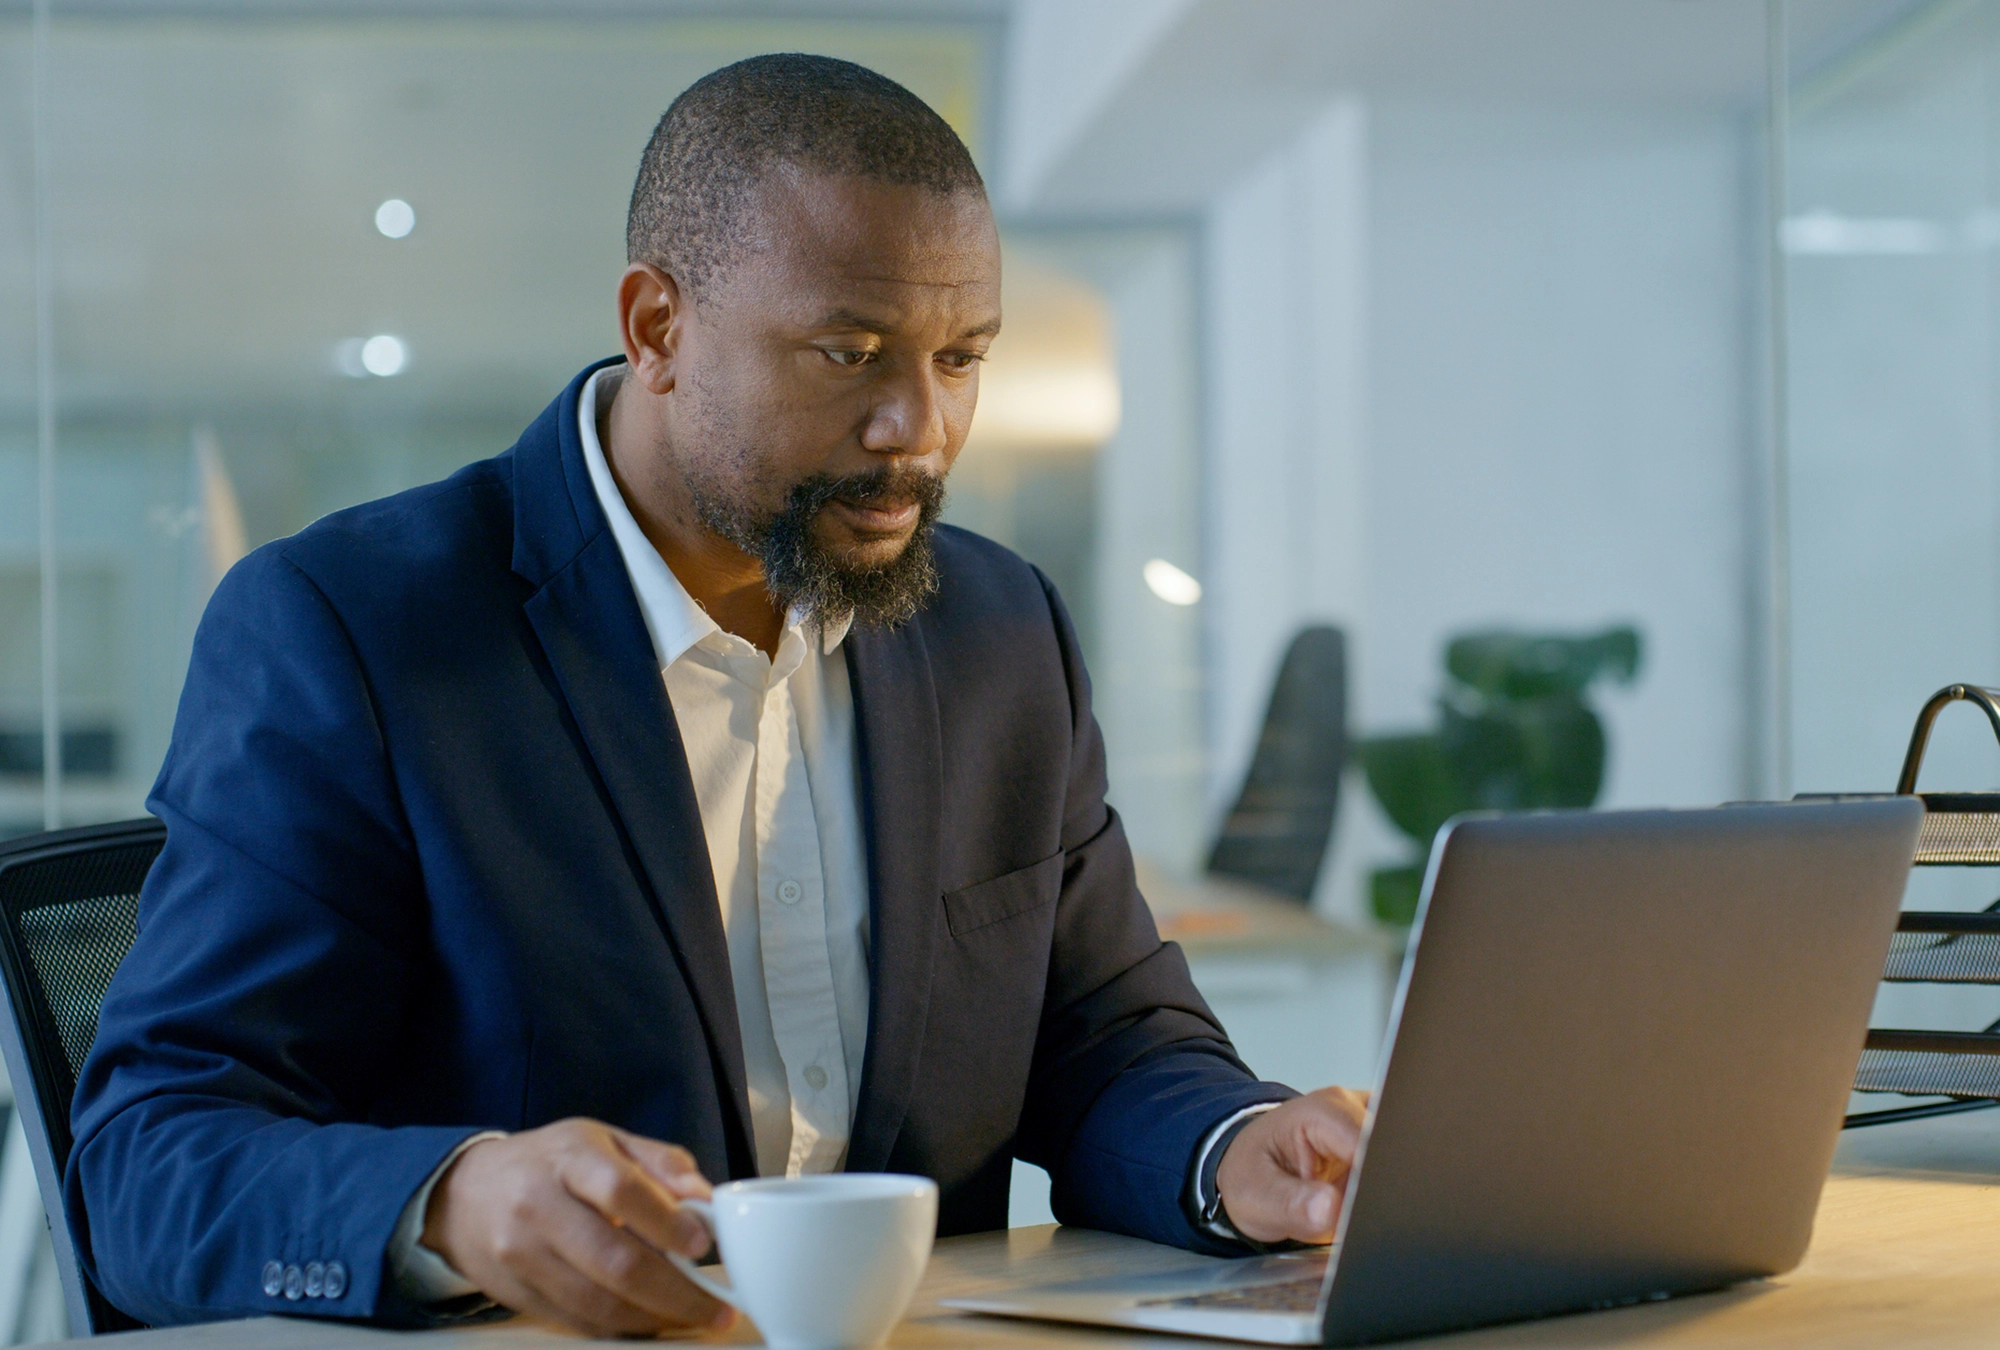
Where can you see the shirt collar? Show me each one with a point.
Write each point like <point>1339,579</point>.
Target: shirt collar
<point>673,618</point>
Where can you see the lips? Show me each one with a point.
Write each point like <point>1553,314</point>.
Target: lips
<point>880,516</point>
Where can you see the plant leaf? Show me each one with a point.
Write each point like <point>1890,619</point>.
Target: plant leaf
<point>1413,780</point>
<point>1503,664</point>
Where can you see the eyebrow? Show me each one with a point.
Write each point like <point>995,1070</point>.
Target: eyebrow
<point>850,318</point>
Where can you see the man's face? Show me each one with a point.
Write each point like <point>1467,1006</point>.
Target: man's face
<point>825,381</point>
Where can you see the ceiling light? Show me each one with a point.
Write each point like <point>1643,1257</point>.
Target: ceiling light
<point>1171,584</point>
<point>395,218</point>
<point>1827,233</point>
<point>384,355</point>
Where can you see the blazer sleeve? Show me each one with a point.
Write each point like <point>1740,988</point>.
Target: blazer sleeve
<point>218,1118</point>
<point>1131,1068</point>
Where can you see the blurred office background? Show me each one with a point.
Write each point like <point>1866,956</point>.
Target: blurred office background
<point>1407,316</point>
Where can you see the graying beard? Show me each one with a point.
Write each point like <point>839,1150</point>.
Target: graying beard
<point>803,576</point>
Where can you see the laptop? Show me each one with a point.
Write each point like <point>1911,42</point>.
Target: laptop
<point>1617,1064</point>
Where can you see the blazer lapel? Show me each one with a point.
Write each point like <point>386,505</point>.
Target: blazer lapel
<point>896,716</point>
<point>589,625</point>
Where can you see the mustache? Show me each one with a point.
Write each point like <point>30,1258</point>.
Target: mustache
<point>888,485</point>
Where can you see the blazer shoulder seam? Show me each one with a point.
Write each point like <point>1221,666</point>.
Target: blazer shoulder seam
<point>366,681</point>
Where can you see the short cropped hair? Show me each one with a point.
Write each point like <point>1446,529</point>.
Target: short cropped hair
<point>728,128</point>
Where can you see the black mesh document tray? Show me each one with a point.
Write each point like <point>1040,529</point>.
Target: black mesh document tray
<point>1960,829</point>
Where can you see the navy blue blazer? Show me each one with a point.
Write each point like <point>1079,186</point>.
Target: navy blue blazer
<point>434,864</point>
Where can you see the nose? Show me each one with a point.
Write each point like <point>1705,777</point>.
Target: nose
<point>907,418</point>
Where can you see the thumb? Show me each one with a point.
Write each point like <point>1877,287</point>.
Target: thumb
<point>1310,1209</point>
<point>1327,1145</point>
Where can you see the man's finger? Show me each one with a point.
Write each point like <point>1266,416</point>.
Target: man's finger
<point>537,1282</point>
<point>669,1164</point>
<point>510,1291</point>
<point>1278,1206</point>
<point>1330,1140</point>
<point>629,1270</point>
<point>606,1179</point>
<point>1320,1133</point>
<point>580,1301</point>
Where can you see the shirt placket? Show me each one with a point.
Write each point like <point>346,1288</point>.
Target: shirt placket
<point>791,911</point>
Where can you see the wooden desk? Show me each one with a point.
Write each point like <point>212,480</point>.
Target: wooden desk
<point>1215,916</point>
<point>1906,1254</point>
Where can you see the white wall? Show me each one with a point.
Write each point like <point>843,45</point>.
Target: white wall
<point>1560,421</point>
<point>1476,364</point>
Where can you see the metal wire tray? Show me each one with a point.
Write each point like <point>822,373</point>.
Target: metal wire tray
<point>1931,1064</point>
<point>1934,948</point>
<point>1960,829</point>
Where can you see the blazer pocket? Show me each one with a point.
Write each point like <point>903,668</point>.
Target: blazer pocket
<point>1004,897</point>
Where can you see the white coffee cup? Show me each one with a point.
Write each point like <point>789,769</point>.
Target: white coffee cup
<point>820,1263</point>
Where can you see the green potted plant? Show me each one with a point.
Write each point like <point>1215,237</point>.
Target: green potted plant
<point>1515,733</point>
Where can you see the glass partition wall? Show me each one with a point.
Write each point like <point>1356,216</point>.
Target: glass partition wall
<point>21,675</point>
<point>1891,222</point>
<point>1891,410</point>
<point>298,260</point>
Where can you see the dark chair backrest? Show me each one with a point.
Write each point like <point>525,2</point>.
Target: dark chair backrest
<point>69,909</point>
<point>1277,834</point>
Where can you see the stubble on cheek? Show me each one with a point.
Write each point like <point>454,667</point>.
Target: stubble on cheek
<point>734,494</point>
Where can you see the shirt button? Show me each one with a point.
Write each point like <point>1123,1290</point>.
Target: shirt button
<point>295,1282</point>
<point>790,891</point>
<point>315,1280</point>
<point>815,1077</point>
<point>274,1279</point>
<point>336,1279</point>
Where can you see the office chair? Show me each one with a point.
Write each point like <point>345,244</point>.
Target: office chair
<point>1277,833</point>
<point>69,909</point>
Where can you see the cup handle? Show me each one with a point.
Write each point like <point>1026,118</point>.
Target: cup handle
<point>706,1213</point>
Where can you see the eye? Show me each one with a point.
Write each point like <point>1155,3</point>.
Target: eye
<point>850,358</point>
<point>960,361</point>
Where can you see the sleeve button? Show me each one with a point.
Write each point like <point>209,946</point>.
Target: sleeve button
<point>336,1279</point>
<point>295,1282</point>
<point>315,1280</point>
<point>274,1279</point>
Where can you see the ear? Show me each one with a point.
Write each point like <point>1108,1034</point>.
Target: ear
<point>651,318</point>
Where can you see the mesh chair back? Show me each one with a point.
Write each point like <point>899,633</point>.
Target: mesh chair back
<point>1277,833</point>
<point>69,909</point>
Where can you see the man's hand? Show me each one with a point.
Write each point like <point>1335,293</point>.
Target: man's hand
<point>568,1223</point>
<point>1285,1174</point>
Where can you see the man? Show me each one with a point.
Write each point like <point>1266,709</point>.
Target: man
<point>666,799</point>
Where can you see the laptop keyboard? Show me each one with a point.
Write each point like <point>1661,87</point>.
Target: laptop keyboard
<point>1293,1296</point>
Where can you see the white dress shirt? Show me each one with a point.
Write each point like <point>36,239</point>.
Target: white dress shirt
<point>770,746</point>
